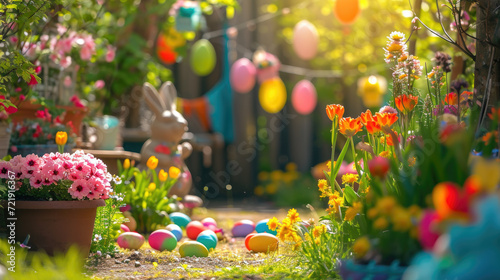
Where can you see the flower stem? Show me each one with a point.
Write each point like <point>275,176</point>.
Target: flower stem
<point>358,169</point>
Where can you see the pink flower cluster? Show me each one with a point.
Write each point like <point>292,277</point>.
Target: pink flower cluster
<point>85,175</point>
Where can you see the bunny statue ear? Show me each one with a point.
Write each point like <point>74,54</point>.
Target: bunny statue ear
<point>169,95</point>
<point>153,99</point>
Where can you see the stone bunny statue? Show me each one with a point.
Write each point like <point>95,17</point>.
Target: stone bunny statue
<point>166,133</point>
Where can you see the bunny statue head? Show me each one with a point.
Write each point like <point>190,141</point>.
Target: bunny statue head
<point>166,133</point>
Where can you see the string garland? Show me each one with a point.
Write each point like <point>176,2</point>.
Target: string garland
<point>289,69</point>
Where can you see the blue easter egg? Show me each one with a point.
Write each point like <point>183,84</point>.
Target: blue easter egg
<point>176,230</point>
<point>180,219</point>
<point>262,227</point>
<point>207,238</point>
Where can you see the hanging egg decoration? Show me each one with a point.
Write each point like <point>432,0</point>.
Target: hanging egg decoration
<point>346,11</point>
<point>304,97</point>
<point>242,76</point>
<point>272,95</point>
<point>371,89</point>
<point>305,40</point>
<point>267,65</point>
<point>202,57</point>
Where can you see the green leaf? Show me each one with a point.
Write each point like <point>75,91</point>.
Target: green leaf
<point>350,194</point>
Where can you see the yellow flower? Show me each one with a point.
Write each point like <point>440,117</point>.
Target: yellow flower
<point>324,188</point>
<point>415,211</point>
<point>273,223</point>
<point>397,36</point>
<point>263,176</point>
<point>291,166</point>
<point>162,176</point>
<point>372,213</point>
<point>349,178</point>
<point>284,229</point>
<point>258,191</point>
<point>401,219</point>
<point>381,223</point>
<point>335,201</point>
<point>386,204</point>
<point>152,187</point>
<point>319,230</point>
<point>126,163</point>
<point>351,212</point>
<point>174,172</point>
<point>293,215</point>
<point>361,247</point>
<point>385,154</point>
<point>61,138</point>
<point>271,188</point>
<point>488,173</point>
<point>329,164</point>
<point>394,47</point>
<point>152,162</point>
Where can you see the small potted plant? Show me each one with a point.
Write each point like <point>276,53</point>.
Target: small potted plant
<point>54,197</point>
<point>38,136</point>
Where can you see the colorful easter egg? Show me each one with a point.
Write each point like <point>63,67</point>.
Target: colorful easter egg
<point>162,240</point>
<point>193,229</point>
<point>263,243</point>
<point>176,230</point>
<point>243,75</point>
<point>124,228</point>
<point>304,97</point>
<point>243,228</point>
<point>207,238</point>
<point>209,221</point>
<point>248,239</point>
<point>130,240</point>
<point>305,40</point>
<point>262,226</point>
<point>193,249</point>
<point>272,95</point>
<point>180,219</point>
<point>202,57</point>
<point>346,11</point>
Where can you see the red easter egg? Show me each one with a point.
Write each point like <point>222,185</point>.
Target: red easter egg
<point>124,228</point>
<point>247,239</point>
<point>193,229</point>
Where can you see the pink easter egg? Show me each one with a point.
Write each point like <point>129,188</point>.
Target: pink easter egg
<point>162,240</point>
<point>305,40</point>
<point>209,221</point>
<point>304,97</point>
<point>193,229</point>
<point>130,240</point>
<point>242,76</point>
<point>124,228</point>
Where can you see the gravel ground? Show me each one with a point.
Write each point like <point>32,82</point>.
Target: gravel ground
<point>230,253</point>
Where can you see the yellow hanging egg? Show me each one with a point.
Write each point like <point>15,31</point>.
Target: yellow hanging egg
<point>272,95</point>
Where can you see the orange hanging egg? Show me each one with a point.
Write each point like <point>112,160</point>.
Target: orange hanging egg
<point>346,11</point>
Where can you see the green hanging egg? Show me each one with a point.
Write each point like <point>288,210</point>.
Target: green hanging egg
<point>203,57</point>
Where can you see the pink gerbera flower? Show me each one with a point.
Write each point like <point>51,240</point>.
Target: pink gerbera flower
<point>79,189</point>
<point>5,167</point>
<point>36,182</point>
<point>53,171</point>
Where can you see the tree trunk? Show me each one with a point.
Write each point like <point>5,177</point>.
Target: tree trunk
<point>486,54</point>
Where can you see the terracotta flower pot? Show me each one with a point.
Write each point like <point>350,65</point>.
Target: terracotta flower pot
<point>27,110</point>
<point>54,226</point>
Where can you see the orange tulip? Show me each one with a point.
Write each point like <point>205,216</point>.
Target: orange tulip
<point>349,126</point>
<point>385,120</point>
<point>174,172</point>
<point>162,176</point>
<point>333,110</point>
<point>152,162</point>
<point>389,139</point>
<point>373,127</point>
<point>366,117</point>
<point>61,138</point>
<point>406,102</point>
